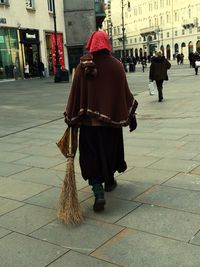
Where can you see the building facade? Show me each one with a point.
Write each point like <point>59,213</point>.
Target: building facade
<point>81,19</point>
<point>140,27</point>
<point>27,35</point>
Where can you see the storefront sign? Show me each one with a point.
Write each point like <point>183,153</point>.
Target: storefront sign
<point>2,20</point>
<point>30,36</point>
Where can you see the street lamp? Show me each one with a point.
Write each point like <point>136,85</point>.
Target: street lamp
<point>124,36</point>
<point>57,77</point>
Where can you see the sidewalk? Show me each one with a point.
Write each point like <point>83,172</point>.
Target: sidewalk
<point>152,219</point>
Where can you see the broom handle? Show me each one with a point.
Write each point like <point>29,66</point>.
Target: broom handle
<point>70,141</point>
<point>70,129</point>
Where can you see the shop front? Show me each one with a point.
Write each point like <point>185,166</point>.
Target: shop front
<point>29,39</point>
<point>9,53</point>
<point>51,52</point>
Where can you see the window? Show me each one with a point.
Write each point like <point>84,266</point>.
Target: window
<point>190,30</point>
<point>50,5</point>
<point>30,4</point>
<point>135,40</point>
<point>4,2</point>
<point>167,34</point>
<point>176,33</point>
<point>150,7</point>
<point>183,32</point>
<point>189,13</point>
<point>167,18</point>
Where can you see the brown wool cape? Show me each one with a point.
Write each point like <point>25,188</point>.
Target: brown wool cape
<point>100,90</point>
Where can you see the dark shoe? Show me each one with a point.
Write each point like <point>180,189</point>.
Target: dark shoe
<point>99,202</point>
<point>109,188</point>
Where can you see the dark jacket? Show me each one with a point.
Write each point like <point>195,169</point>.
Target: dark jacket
<point>196,57</point>
<point>158,69</point>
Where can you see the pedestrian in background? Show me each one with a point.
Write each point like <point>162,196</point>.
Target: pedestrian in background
<point>100,103</point>
<point>158,72</point>
<point>41,69</point>
<point>196,61</point>
<point>26,70</point>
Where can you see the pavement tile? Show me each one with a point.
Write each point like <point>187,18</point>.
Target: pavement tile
<point>7,169</point>
<point>127,190</point>
<point>7,205</point>
<point>19,190</point>
<point>40,176</point>
<point>136,150</point>
<point>175,164</point>
<point>156,136</point>
<point>185,181</point>
<point>10,147</point>
<point>11,156</point>
<point>162,221</point>
<point>137,249</point>
<point>196,239</point>
<point>23,251</point>
<point>170,197</point>
<point>27,219</point>
<point>147,175</point>
<point>78,238</point>
<point>196,170</point>
<point>46,150</point>
<point>50,198</point>
<point>76,259</point>
<point>176,153</point>
<point>39,161</point>
<point>140,161</point>
<point>114,210</point>
<point>4,232</point>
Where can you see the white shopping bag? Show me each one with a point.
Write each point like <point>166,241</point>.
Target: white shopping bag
<point>151,88</point>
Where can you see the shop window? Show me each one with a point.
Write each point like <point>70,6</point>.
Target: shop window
<point>30,4</point>
<point>50,5</point>
<point>4,2</point>
<point>9,55</point>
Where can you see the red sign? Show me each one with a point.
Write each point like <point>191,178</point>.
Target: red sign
<point>60,50</point>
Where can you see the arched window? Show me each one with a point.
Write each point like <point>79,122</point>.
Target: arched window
<point>190,47</point>
<point>198,46</point>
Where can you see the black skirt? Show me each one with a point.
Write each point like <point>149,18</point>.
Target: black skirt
<point>101,153</point>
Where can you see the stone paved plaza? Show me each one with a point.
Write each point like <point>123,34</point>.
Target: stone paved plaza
<point>152,219</point>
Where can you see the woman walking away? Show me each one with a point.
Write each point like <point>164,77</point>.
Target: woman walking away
<point>100,103</point>
<point>196,62</point>
<point>158,72</point>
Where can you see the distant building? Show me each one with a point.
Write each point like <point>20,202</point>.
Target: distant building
<point>81,19</point>
<point>170,25</point>
<point>27,35</point>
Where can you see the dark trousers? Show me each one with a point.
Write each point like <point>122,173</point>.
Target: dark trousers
<point>196,71</point>
<point>159,85</point>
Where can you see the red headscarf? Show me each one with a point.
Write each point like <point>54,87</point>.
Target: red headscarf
<point>97,41</point>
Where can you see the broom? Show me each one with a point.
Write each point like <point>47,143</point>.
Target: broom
<point>69,208</point>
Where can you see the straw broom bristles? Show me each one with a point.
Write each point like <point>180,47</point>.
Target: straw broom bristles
<point>69,208</point>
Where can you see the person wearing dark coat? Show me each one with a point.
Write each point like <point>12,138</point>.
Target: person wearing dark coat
<point>158,72</point>
<point>100,104</point>
<point>196,57</point>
